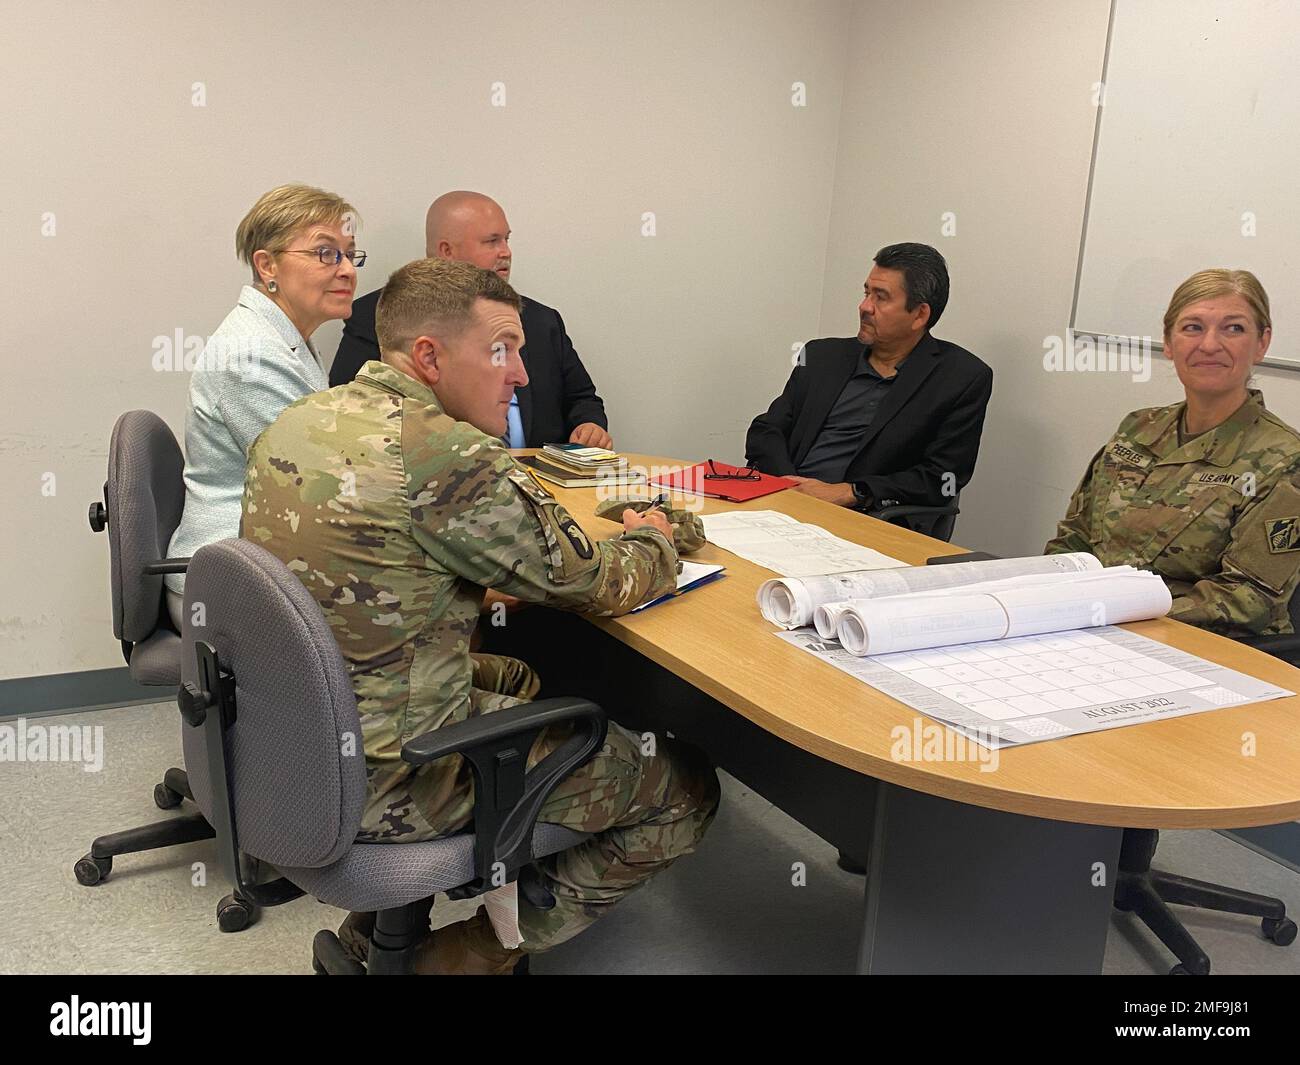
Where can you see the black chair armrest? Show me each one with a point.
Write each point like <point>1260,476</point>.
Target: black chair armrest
<point>508,796</point>
<point>1286,646</point>
<point>166,565</point>
<point>937,522</point>
<point>910,510</point>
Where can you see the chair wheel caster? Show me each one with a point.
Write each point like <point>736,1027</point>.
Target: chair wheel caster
<point>234,915</point>
<point>1280,930</point>
<point>166,799</point>
<point>850,864</point>
<point>91,870</point>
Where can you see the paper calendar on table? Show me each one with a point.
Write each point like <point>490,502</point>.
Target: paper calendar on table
<point>1004,693</point>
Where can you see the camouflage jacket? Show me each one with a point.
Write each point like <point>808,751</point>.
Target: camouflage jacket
<point>396,518</point>
<point>1218,518</point>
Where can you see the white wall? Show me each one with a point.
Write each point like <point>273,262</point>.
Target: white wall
<point>612,109</point>
<point>767,216</point>
<point>984,110</point>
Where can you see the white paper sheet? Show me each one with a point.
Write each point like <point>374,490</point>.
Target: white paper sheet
<point>792,548</point>
<point>692,573</point>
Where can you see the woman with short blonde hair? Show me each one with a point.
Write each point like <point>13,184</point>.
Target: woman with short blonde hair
<point>1203,492</point>
<point>300,243</point>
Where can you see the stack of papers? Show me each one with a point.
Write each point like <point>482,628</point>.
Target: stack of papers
<point>606,476</point>
<point>581,459</point>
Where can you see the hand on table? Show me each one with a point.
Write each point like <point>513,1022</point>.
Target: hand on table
<point>840,494</point>
<point>589,434</point>
<point>654,517</point>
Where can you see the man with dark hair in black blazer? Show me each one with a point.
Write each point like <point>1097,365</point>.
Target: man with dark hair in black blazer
<point>559,404</point>
<point>891,415</point>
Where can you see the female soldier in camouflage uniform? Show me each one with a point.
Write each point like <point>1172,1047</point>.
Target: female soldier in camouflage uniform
<point>1203,492</point>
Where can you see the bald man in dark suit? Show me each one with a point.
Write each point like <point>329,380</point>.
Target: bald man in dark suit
<point>559,404</point>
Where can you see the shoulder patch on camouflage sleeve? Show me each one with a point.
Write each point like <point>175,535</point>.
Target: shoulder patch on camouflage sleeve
<point>568,551</point>
<point>577,537</point>
<point>1283,534</point>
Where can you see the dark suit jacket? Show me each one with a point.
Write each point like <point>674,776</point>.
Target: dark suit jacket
<point>928,424</point>
<point>559,394</point>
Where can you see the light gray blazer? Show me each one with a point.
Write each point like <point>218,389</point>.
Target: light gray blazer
<point>252,367</point>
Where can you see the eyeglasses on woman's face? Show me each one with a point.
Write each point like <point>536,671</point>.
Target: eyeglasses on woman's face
<point>331,256</point>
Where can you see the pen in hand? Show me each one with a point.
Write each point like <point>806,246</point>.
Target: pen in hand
<point>643,517</point>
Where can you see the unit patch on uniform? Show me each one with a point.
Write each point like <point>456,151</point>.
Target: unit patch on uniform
<point>577,538</point>
<point>1283,534</point>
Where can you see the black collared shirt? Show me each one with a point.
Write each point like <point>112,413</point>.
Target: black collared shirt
<point>840,438</point>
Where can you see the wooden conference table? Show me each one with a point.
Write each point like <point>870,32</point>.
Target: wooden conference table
<point>970,870</point>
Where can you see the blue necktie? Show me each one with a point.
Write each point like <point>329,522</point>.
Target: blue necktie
<point>514,425</point>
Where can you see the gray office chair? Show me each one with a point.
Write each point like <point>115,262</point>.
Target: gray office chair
<point>273,746</point>
<point>143,498</point>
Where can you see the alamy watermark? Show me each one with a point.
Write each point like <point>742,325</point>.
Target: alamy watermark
<point>185,352</point>
<point>1085,353</point>
<point>928,741</point>
<point>21,742</point>
<point>77,1018</point>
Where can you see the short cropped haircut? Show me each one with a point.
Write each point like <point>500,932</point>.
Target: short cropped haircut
<point>434,297</point>
<point>1211,284</point>
<point>279,215</point>
<point>925,276</point>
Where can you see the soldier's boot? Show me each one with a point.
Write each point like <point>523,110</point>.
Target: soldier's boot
<point>467,948</point>
<point>354,934</point>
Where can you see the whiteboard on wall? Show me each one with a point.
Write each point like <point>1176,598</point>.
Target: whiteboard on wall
<point>1196,164</point>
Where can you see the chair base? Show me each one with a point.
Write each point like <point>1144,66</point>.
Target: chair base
<point>1149,894</point>
<point>397,934</point>
<point>234,913</point>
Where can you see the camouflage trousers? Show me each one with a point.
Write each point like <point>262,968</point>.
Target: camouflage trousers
<point>645,805</point>
<point>646,810</point>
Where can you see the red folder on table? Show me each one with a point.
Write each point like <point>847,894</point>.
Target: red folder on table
<point>695,481</point>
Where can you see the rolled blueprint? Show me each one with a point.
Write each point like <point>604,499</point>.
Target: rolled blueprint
<point>791,601</point>
<point>913,622</point>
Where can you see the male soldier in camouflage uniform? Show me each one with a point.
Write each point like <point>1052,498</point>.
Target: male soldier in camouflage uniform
<point>1216,513</point>
<point>394,502</point>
